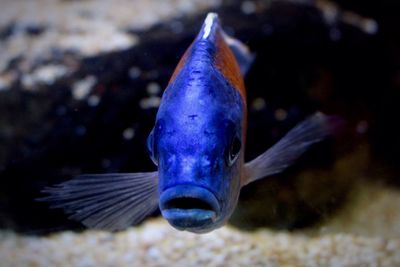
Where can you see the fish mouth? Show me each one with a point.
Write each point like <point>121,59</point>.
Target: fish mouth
<point>188,207</point>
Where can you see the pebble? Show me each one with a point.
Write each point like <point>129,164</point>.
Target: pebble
<point>155,243</point>
<point>82,88</point>
<point>47,74</point>
<point>50,73</point>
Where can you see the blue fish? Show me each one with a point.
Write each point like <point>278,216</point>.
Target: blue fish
<point>198,144</point>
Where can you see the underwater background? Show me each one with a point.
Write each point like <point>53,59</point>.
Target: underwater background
<point>80,84</point>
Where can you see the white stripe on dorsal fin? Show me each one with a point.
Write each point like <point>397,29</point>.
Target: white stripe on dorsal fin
<point>241,52</point>
<point>210,20</point>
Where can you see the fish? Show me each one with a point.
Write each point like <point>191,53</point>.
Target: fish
<point>197,143</point>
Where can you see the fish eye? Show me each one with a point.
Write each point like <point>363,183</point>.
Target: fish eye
<point>233,151</point>
<point>150,148</point>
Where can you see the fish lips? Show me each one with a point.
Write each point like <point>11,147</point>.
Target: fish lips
<point>188,207</point>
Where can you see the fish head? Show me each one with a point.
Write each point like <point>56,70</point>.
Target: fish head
<point>199,171</point>
<point>197,143</point>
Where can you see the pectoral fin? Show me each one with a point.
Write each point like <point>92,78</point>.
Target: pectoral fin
<point>106,201</point>
<point>291,146</point>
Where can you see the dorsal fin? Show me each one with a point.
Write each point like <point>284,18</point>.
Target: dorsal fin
<point>230,56</point>
<point>211,23</point>
<point>241,52</point>
<point>211,29</point>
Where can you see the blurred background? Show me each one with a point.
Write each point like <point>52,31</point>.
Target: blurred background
<point>81,81</point>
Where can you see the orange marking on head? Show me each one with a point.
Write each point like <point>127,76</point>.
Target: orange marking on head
<point>226,63</point>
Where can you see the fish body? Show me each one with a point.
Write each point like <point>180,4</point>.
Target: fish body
<point>198,137</point>
<point>198,144</point>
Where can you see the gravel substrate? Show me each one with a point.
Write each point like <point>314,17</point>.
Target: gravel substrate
<point>364,233</point>
<point>157,244</point>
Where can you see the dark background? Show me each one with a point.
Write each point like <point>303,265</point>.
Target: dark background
<point>303,64</point>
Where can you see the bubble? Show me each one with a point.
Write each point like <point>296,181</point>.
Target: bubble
<point>258,104</point>
<point>153,88</point>
<point>280,114</point>
<point>134,72</point>
<point>128,133</point>
<point>248,7</point>
<point>370,26</point>
<point>150,102</point>
<point>93,100</point>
